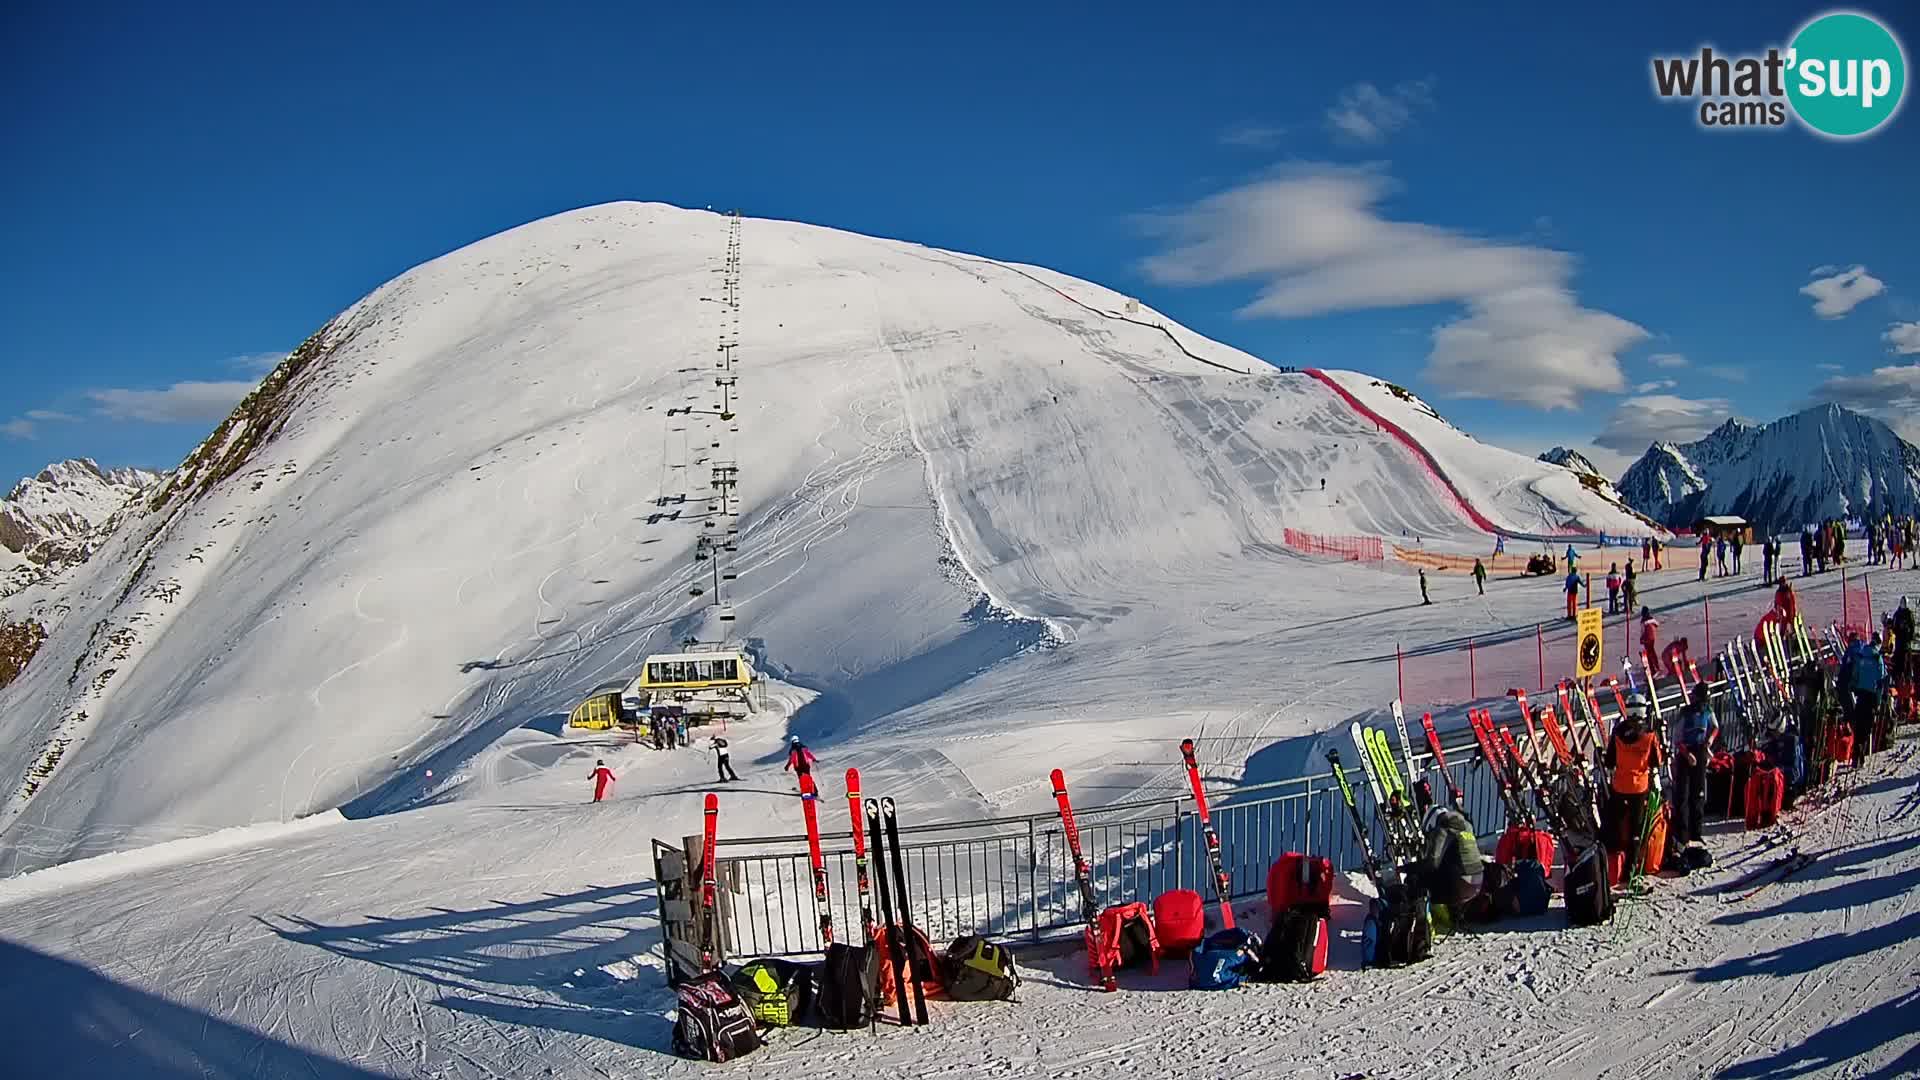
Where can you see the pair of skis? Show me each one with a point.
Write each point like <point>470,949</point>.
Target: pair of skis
<point>874,822</point>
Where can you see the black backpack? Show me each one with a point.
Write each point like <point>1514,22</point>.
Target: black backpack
<point>1399,929</point>
<point>777,993</point>
<point>975,969</point>
<point>1136,943</point>
<point>1589,892</point>
<point>713,1025</point>
<point>1295,950</point>
<point>849,992</point>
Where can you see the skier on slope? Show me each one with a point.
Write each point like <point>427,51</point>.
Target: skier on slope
<point>1480,576</point>
<point>799,758</point>
<point>1450,865</point>
<point>602,778</point>
<point>1571,556</point>
<point>723,759</point>
<point>1573,589</point>
<point>1424,598</point>
<point>1706,554</point>
<point>1650,645</point>
<point>1632,755</point>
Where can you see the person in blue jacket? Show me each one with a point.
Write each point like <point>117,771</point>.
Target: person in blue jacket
<point>1573,591</point>
<point>1863,676</point>
<point>1692,748</point>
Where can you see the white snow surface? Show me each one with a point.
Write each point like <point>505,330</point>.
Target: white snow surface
<point>1513,490</point>
<point>948,465</point>
<point>958,583</point>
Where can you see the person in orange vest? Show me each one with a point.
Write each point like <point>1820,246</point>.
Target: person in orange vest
<point>602,778</point>
<point>1633,753</point>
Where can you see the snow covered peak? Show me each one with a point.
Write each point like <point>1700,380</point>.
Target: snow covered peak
<point>58,510</point>
<point>1571,459</point>
<point>1822,462</point>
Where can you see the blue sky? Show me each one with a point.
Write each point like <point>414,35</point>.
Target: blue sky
<point>1465,203</point>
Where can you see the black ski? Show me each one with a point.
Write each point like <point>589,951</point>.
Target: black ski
<point>896,957</point>
<point>915,962</point>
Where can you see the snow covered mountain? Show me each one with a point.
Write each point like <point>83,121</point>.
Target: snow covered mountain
<point>476,494</point>
<point>1823,462</point>
<point>59,510</point>
<point>1572,459</point>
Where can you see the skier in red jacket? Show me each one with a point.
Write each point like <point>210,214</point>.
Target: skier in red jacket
<point>602,778</point>
<point>799,758</point>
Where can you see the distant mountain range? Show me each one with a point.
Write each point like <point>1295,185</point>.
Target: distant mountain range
<point>57,517</point>
<point>1572,459</point>
<point>1823,462</point>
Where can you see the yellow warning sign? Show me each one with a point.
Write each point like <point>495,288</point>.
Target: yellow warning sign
<point>1589,644</point>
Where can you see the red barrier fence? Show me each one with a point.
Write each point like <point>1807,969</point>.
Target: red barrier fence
<point>1413,446</point>
<point>1479,666</point>
<point>1351,548</point>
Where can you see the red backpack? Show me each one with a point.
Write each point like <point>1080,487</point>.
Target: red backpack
<point>1127,937</point>
<point>1297,880</point>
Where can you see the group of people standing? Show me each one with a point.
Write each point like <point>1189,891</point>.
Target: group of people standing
<point>1890,540</point>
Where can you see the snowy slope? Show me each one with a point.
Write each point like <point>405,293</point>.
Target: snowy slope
<point>1513,491</point>
<point>976,498</point>
<point>1820,463</point>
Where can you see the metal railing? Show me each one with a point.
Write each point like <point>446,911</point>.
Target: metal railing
<point>1012,878</point>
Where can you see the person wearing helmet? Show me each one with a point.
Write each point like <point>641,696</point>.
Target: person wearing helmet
<point>799,758</point>
<point>1450,866</point>
<point>602,778</point>
<point>1633,753</point>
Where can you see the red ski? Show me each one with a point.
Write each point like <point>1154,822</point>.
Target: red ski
<point>1223,887</point>
<point>809,795</point>
<point>1089,906</point>
<point>860,853</point>
<point>1440,759</point>
<point>709,889</point>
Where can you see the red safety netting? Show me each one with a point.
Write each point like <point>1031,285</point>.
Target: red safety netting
<point>1352,548</point>
<point>1483,666</point>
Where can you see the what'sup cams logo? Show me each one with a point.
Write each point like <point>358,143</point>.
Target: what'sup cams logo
<point>1842,76</point>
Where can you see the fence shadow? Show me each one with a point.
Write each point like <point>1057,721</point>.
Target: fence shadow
<point>69,1020</point>
<point>1831,1047</point>
<point>536,963</point>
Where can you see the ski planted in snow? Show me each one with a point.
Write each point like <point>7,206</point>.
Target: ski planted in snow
<point>856,812</point>
<point>809,798</point>
<point>916,963</point>
<point>1222,886</point>
<point>896,958</point>
<point>1381,874</point>
<point>1083,874</point>
<point>1422,790</point>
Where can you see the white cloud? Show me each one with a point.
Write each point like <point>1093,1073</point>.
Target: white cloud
<point>1365,113</point>
<point>1252,136</point>
<point>1823,270</point>
<point>257,363</point>
<point>1902,338</point>
<point>1667,360</point>
<point>1725,372</point>
<point>1891,394</point>
<point>183,402</point>
<point>1655,386</point>
<point>1315,238</point>
<point>1639,422</point>
<point>17,428</point>
<point>1835,295</point>
<point>49,416</point>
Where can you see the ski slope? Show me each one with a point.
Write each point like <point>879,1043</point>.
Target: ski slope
<point>959,479</point>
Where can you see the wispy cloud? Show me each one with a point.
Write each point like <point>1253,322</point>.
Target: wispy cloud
<point>18,428</point>
<point>1316,240</point>
<point>48,416</point>
<point>1253,136</point>
<point>1639,422</point>
<point>1828,367</point>
<point>1836,294</point>
<point>1655,385</point>
<point>255,363</point>
<point>181,403</point>
<point>1364,113</point>
<point>1891,394</point>
<point>1667,360</point>
<point>1902,338</point>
